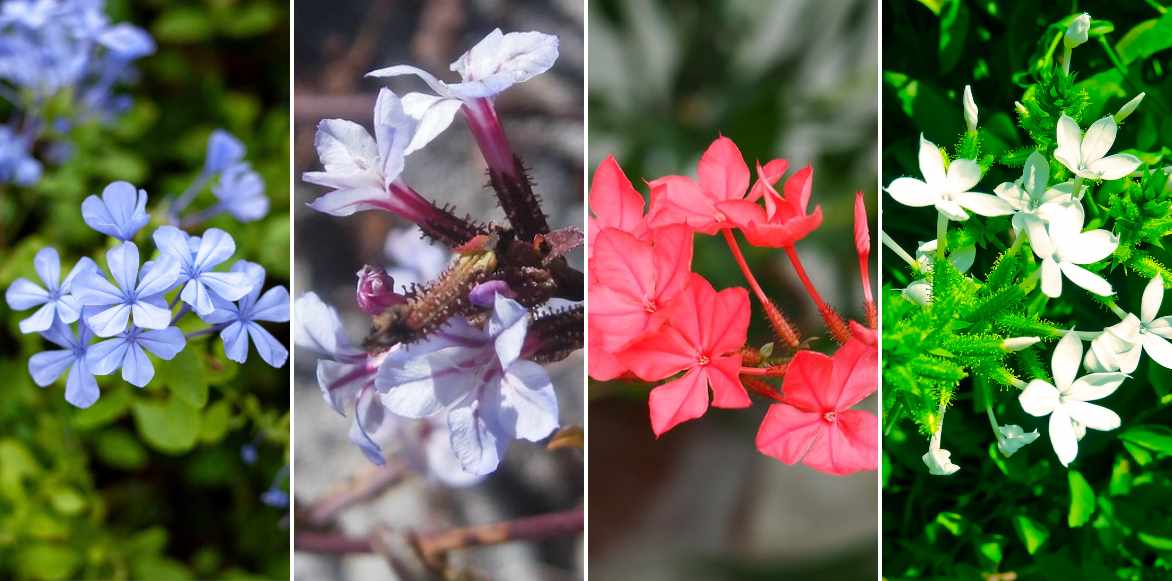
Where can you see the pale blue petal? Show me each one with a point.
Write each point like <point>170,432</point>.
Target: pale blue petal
<point>110,321</point>
<point>151,314</point>
<point>198,296</point>
<point>268,347</point>
<point>231,286</point>
<point>120,213</point>
<point>81,389</point>
<point>104,357</point>
<point>223,151</point>
<point>165,343</point>
<point>341,382</point>
<point>477,448</point>
<point>122,260</point>
<point>158,277</point>
<point>84,264</point>
<point>61,334</point>
<point>48,266</point>
<point>68,308</point>
<point>173,242</point>
<point>318,328</point>
<point>137,369</point>
<point>41,320</point>
<point>235,339</point>
<point>417,386</point>
<point>256,281</point>
<point>528,406</point>
<point>25,294</point>
<point>369,416</point>
<point>215,247</point>
<point>273,306</point>
<point>508,325</point>
<point>92,289</point>
<point>45,367</point>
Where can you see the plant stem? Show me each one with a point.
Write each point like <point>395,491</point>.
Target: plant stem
<point>899,251</point>
<point>941,236</point>
<point>185,199</point>
<point>833,321</point>
<point>365,486</point>
<point>781,328</point>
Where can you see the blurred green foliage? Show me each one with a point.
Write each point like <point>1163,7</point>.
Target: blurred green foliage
<point>151,484</point>
<point>1023,517</point>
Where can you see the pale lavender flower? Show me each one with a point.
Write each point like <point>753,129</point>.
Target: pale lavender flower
<point>120,212</point>
<point>196,257</point>
<point>81,389</point>
<point>135,295</point>
<point>240,320</point>
<point>55,299</point>
<point>376,290</point>
<point>241,192</point>
<point>224,151</point>
<point>129,349</point>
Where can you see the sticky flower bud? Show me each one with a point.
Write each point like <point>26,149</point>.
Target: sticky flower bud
<point>376,290</point>
<point>1078,31</point>
<point>970,109</point>
<point>1129,107</point>
<point>1018,343</point>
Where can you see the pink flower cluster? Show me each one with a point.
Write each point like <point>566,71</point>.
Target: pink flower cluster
<point>652,319</point>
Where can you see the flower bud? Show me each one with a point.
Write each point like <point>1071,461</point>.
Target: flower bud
<point>484,294</point>
<point>376,290</point>
<point>970,109</point>
<point>1078,31</point>
<point>1018,343</point>
<point>1129,107</point>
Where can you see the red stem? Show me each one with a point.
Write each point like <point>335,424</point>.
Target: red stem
<point>785,333</point>
<point>834,322</point>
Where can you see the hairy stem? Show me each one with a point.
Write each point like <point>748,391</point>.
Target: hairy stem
<point>781,327</point>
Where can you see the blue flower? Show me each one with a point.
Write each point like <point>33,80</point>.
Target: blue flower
<point>17,166</point>
<point>241,318</point>
<point>241,192</point>
<point>275,498</point>
<point>224,151</point>
<point>137,295</point>
<point>81,389</point>
<point>197,257</point>
<point>120,212</point>
<point>128,351</point>
<point>477,377</point>
<point>55,297</point>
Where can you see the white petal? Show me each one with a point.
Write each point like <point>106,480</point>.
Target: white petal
<point>1062,437</point>
<point>1065,361</point>
<point>1038,398</point>
<point>1115,166</point>
<point>1095,417</point>
<point>434,115</point>
<point>912,192</point>
<point>932,164</point>
<point>1153,296</point>
<point>1096,386</point>
<point>1159,349</point>
<point>1069,150</point>
<point>1099,138</point>
<point>1087,279</point>
<point>1051,278</point>
<point>963,174</point>
<point>1089,247</point>
<point>345,147</point>
<point>529,405</point>
<point>1035,175</point>
<point>952,210</point>
<point>984,204</point>
<point>1040,238</point>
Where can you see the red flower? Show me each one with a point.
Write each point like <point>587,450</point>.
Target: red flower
<point>633,280</point>
<point>723,176</point>
<point>814,423</point>
<point>783,221</point>
<point>703,338</point>
<point>614,202</point>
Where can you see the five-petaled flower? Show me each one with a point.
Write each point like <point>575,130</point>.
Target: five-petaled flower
<point>81,389</point>
<point>240,320</point>
<point>120,212</point>
<point>1063,247</point>
<point>1066,401</point>
<point>814,423</point>
<point>1086,155</point>
<point>704,333</point>
<point>783,221</point>
<point>949,190</point>
<point>55,299</point>
<point>128,351</point>
<point>1030,196</point>
<point>490,394</point>
<point>196,257</point>
<point>1119,347</point>
<point>133,295</point>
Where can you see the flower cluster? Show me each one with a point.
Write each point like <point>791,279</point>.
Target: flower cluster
<point>55,48</point>
<point>1047,209</point>
<point>653,319</point>
<point>452,370</point>
<point>110,319</point>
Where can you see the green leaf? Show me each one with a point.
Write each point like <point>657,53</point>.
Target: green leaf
<point>184,376</point>
<point>1082,500</point>
<point>170,426</point>
<point>216,420</point>
<point>118,448</point>
<point>113,404</point>
<point>954,28</point>
<point>1152,437</point>
<point>1031,533</point>
<point>160,568</point>
<point>45,561</point>
<point>183,25</point>
<point>1146,39</point>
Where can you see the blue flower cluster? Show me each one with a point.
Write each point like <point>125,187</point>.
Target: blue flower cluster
<point>125,307</point>
<point>51,47</point>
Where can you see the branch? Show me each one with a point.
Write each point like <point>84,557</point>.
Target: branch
<point>361,488</point>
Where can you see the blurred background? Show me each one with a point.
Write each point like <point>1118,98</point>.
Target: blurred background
<point>106,493</point>
<point>795,80</point>
<point>337,43</point>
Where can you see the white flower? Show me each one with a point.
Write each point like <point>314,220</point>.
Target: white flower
<point>1078,31</point>
<point>1066,402</point>
<point>920,291</point>
<point>939,462</point>
<point>1030,197</point>
<point>970,109</point>
<point>1011,438</point>
<point>493,65</point>
<point>1129,107</point>
<point>359,168</point>
<point>1063,246</point>
<point>1019,343</point>
<point>948,190</point>
<point>1120,346</point>
<point>1084,154</point>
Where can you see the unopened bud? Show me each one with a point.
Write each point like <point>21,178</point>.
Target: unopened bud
<point>484,294</point>
<point>376,290</point>
<point>1078,31</point>
<point>1019,343</point>
<point>1129,107</point>
<point>970,109</point>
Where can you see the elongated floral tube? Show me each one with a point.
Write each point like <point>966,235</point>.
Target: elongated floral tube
<point>507,176</point>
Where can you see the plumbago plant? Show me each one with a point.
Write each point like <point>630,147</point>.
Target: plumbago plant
<point>1038,303</point>
<point>451,372</point>
<point>652,319</point>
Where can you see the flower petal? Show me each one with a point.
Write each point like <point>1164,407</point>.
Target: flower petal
<point>932,164</point>
<point>476,445</point>
<point>1115,167</point>
<point>1069,150</point>
<point>433,113</point>
<point>1065,361</point>
<point>850,445</point>
<point>45,367</point>
<point>1087,279</point>
<point>912,192</point>
<point>24,294</point>
<point>963,174</point>
<point>787,433</point>
<point>678,401</point>
<point>984,204</point>
<point>111,321</point>
<point>1096,386</point>
<point>1097,141</point>
<point>1062,436</point>
<point>528,404</point>
<point>271,350</point>
<point>1152,298</point>
<point>1088,247</point>
<point>1038,398</point>
<point>722,171</point>
<point>1051,278</point>
<point>165,343</point>
<point>1159,349</point>
<point>81,389</point>
<point>137,369</point>
<point>1095,417</point>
